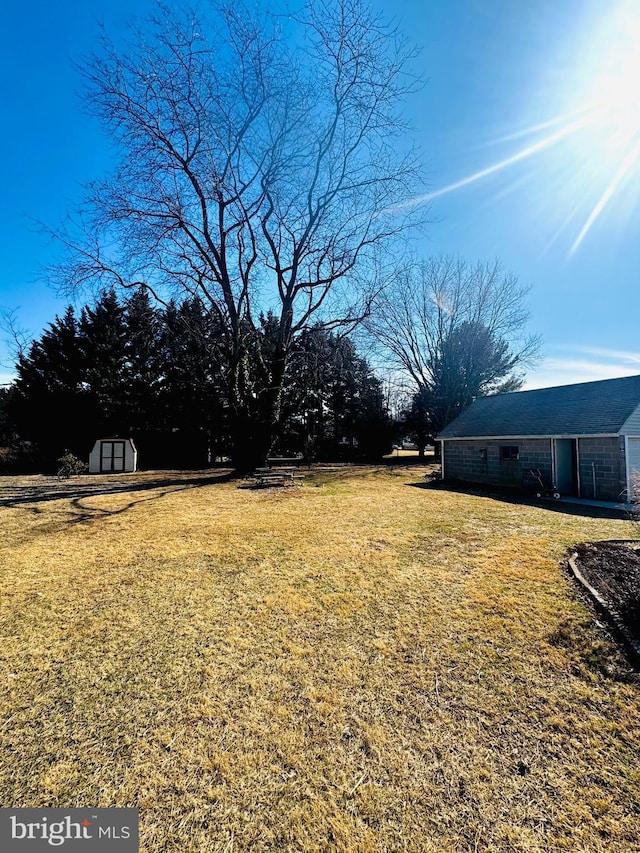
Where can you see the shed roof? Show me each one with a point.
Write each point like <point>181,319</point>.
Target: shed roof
<point>588,408</point>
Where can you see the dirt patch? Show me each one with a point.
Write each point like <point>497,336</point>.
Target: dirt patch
<point>612,569</point>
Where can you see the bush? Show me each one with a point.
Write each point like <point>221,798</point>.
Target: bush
<point>70,466</point>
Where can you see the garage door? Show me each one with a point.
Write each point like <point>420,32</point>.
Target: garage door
<point>634,465</point>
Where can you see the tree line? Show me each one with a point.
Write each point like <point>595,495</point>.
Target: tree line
<point>161,375</point>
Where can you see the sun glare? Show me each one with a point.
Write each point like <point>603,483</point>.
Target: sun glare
<point>591,140</point>
<point>612,81</point>
<point>611,95</point>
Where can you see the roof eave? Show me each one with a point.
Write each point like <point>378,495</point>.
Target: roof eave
<point>529,436</point>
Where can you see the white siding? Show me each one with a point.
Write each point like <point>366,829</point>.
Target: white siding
<point>103,459</point>
<point>633,466</point>
<point>632,424</point>
<point>94,459</point>
<point>130,456</point>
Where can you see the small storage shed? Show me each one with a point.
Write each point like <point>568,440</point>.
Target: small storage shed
<point>113,456</point>
<point>585,438</point>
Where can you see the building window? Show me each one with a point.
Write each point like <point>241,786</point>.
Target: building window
<point>508,453</point>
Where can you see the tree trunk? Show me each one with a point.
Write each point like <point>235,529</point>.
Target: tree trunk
<point>255,424</point>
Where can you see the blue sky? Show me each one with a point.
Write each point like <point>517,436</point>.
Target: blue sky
<point>564,217</point>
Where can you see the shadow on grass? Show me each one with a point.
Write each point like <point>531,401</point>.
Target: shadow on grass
<point>594,647</point>
<point>85,514</point>
<point>14,496</point>
<point>523,499</point>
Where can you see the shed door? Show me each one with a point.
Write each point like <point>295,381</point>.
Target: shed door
<point>633,448</point>
<point>112,456</point>
<point>566,465</point>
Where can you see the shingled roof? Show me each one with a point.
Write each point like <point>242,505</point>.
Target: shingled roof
<point>589,408</point>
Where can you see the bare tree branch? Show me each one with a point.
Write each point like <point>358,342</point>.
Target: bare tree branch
<point>261,162</point>
<point>441,315</point>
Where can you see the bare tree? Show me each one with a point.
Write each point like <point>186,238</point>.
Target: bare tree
<point>457,330</point>
<point>260,164</point>
<point>17,340</point>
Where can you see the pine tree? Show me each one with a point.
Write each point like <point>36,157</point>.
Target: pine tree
<point>193,374</point>
<point>103,333</point>
<point>144,367</point>
<point>50,405</point>
<point>333,404</point>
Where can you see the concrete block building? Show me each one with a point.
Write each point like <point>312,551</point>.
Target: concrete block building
<point>583,438</point>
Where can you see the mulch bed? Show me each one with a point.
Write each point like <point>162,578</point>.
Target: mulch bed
<point>612,569</point>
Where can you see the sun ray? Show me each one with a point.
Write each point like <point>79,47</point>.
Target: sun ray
<point>529,151</point>
<point>590,142</point>
<point>565,224</point>
<point>628,162</point>
<point>544,125</point>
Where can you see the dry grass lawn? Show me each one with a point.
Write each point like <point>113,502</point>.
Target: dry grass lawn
<point>355,665</point>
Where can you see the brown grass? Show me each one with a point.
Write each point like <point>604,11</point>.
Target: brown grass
<point>355,665</point>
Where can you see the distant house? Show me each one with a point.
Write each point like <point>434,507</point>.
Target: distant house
<point>584,438</point>
<point>113,456</point>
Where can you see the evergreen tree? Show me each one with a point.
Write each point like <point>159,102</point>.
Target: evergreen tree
<point>333,405</point>
<point>471,362</point>
<point>103,334</point>
<point>143,368</point>
<point>417,420</point>
<point>9,445</point>
<point>51,402</point>
<point>7,429</point>
<point>360,425</point>
<point>162,377</point>
<point>193,376</point>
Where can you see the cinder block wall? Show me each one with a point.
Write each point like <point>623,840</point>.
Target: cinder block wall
<point>464,460</point>
<point>606,457</point>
